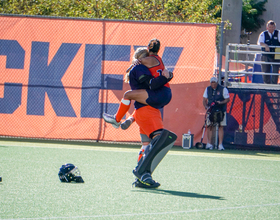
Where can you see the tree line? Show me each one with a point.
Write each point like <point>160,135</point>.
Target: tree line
<point>190,11</point>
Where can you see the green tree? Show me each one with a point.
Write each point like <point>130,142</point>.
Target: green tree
<point>192,11</point>
<point>197,11</point>
<point>251,11</point>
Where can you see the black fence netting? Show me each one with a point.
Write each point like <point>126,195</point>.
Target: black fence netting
<point>253,117</point>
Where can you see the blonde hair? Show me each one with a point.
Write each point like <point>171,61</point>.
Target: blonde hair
<point>140,52</point>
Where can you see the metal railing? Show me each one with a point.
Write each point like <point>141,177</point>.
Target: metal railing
<point>249,52</point>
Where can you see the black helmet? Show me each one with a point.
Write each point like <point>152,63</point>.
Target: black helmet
<point>69,172</point>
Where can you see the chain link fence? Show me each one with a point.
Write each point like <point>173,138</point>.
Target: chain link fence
<point>59,75</point>
<point>254,107</point>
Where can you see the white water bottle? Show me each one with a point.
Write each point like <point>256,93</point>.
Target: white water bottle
<point>189,132</point>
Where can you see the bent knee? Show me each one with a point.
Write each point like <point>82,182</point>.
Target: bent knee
<point>127,94</point>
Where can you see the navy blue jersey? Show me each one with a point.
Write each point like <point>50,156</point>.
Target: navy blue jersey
<point>135,75</point>
<point>157,98</point>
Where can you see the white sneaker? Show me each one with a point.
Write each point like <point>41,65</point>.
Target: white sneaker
<point>209,146</point>
<point>111,119</point>
<point>221,147</point>
<point>126,124</point>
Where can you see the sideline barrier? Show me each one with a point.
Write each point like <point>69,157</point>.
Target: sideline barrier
<point>59,75</point>
<point>254,108</point>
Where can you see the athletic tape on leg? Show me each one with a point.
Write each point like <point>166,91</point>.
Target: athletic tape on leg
<point>159,147</point>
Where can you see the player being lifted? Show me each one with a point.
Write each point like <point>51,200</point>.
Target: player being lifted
<point>151,60</point>
<point>156,67</point>
<point>150,122</point>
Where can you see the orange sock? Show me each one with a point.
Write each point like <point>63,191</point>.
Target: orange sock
<point>133,114</point>
<point>123,108</point>
<point>141,153</point>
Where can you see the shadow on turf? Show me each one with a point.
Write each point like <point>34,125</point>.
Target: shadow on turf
<point>179,193</point>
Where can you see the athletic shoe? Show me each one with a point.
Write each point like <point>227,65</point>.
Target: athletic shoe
<point>0,179</point>
<point>221,147</point>
<point>140,184</point>
<point>146,181</point>
<point>209,146</point>
<point>111,119</point>
<point>126,124</point>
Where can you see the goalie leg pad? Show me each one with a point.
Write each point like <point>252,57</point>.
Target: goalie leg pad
<point>158,148</point>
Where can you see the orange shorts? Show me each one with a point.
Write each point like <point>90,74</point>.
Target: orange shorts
<point>149,119</point>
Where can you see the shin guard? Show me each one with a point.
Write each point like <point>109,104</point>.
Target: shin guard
<point>158,148</point>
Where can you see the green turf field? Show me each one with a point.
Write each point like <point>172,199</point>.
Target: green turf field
<point>195,184</point>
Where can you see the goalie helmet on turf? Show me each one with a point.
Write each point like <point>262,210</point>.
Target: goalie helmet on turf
<point>69,172</point>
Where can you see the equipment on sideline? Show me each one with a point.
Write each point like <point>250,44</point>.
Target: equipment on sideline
<point>69,172</point>
<point>200,145</point>
<point>216,114</point>
<point>154,153</point>
<point>187,140</point>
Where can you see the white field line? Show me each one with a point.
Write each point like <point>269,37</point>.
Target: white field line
<point>203,153</point>
<point>144,215</point>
